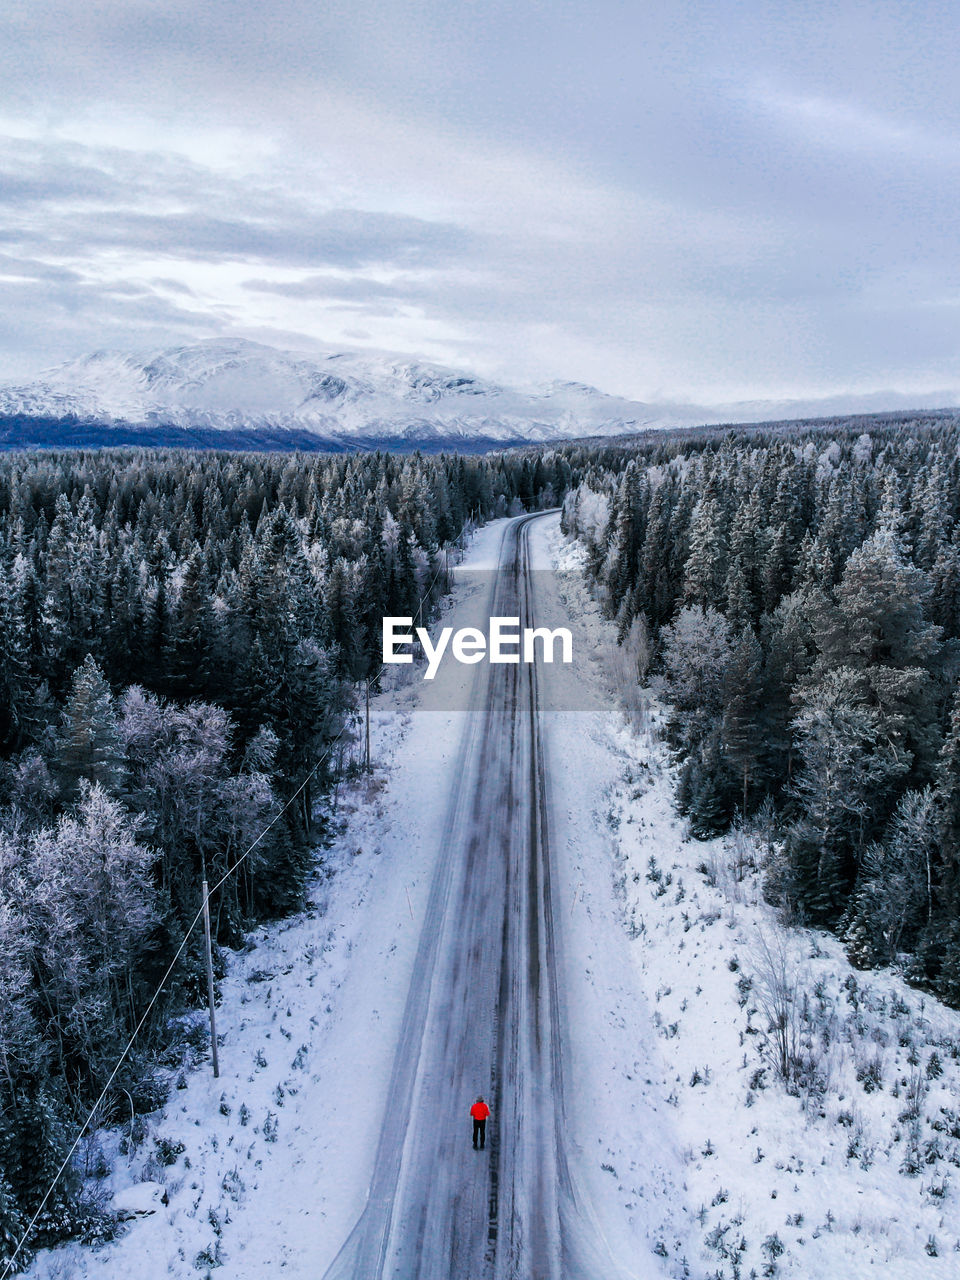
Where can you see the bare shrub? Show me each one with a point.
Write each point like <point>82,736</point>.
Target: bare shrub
<point>777,991</point>
<point>628,664</point>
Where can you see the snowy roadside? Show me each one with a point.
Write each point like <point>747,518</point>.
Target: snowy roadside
<point>267,1168</point>
<point>852,1171</point>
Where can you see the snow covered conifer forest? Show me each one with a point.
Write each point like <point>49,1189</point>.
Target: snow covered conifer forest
<point>801,595</point>
<point>182,637</point>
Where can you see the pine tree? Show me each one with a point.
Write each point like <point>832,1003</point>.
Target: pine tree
<point>695,653</point>
<point>709,791</point>
<point>13,1224</point>
<point>33,1143</point>
<point>626,540</point>
<point>16,684</point>
<point>707,562</point>
<point>880,627</point>
<point>894,902</point>
<point>88,744</point>
<point>404,590</point>
<point>933,514</point>
<point>372,592</point>
<point>740,732</point>
<point>776,571</point>
<point>189,642</point>
<point>740,610</point>
<point>948,806</point>
<point>344,629</point>
<point>861,931</point>
<point>945,588</point>
<point>656,593</point>
<point>741,583</point>
<point>847,765</point>
<point>787,638</point>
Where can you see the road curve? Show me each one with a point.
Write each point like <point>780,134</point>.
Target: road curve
<point>484,1014</point>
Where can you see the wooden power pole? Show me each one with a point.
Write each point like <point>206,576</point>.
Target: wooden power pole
<point>209,949</point>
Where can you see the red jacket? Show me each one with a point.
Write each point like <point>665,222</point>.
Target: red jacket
<point>479,1111</point>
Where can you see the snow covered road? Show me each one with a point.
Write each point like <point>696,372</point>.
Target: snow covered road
<point>483,1015</point>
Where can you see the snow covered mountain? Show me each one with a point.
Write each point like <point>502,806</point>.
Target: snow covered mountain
<point>235,393</point>
<point>344,397</point>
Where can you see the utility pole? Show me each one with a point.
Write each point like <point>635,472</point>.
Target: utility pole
<point>367,753</point>
<point>213,1016</point>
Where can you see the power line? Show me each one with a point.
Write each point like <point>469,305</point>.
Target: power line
<point>153,999</point>
<point>186,937</point>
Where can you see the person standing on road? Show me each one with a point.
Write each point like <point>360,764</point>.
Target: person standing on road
<point>480,1112</point>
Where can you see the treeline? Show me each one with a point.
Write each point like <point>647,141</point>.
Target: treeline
<point>797,597</point>
<point>181,638</point>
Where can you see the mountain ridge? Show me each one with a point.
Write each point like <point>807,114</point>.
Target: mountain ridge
<point>215,392</point>
<point>340,395</point>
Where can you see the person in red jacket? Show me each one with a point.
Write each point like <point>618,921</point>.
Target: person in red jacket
<point>480,1111</point>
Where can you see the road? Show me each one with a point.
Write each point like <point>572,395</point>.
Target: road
<point>484,1015</point>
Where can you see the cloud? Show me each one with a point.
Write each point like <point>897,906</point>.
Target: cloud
<point>342,237</point>
<point>72,200</point>
<point>695,200</point>
<point>43,323</point>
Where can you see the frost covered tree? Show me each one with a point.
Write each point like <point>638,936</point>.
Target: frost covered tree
<point>878,626</point>
<point>88,745</point>
<point>846,764</point>
<point>17,700</point>
<point>656,586</point>
<point>23,1052</point>
<point>189,642</point>
<point>787,639</point>
<point>705,572</point>
<point>741,731</point>
<point>837,549</point>
<point>697,648</point>
<point>943,953</point>
<point>93,910</point>
<point>893,903</point>
<point>13,1224</point>
<point>33,1143</point>
<point>695,651</point>
<point>625,541</point>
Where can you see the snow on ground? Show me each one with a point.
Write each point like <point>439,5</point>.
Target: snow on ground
<point>690,1154</point>
<point>853,1170</point>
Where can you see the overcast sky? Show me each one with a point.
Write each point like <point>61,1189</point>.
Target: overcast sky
<point>705,200</point>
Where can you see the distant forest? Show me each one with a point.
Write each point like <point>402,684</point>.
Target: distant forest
<point>182,639</point>
<point>795,595</point>
<point>27,431</point>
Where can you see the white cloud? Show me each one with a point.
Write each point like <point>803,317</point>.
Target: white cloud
<point>660,199</point>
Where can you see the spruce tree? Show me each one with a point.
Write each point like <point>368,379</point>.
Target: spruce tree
<point>740,731</point>
<point>847,766</point>
<point>706,566</point>
<point>13,1224</point>
<point>88,743</point>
